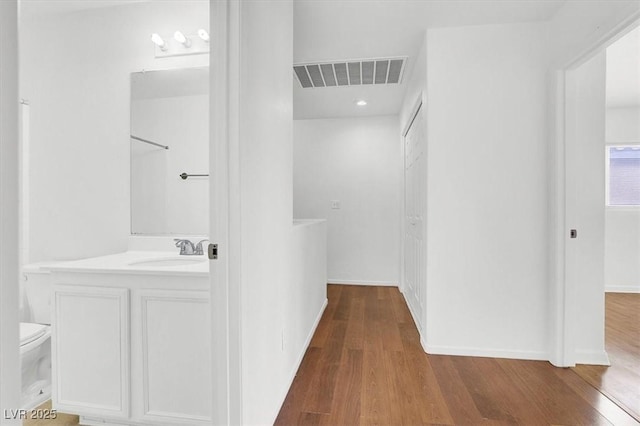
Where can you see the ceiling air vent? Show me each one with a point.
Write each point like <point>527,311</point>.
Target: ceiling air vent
<point>350,73</point>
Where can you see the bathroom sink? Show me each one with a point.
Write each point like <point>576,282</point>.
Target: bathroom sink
<point>169,261</point>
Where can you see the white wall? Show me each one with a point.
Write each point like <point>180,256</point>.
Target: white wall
<point>358,162</point>
<point>265,167</point>
<point>622,250</point>
<point>579,25</point>
<point>416,86</point>
<point>623,125</point>
<point>622,224</point>
<point>75,71</point>
<point>308,288</point>
<point>161,201</point>
<point>487,191</point>
<point>9,340</point>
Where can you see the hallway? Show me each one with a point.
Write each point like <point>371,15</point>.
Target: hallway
<point>365,366</point>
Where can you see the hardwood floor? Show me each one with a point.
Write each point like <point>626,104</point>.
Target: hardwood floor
<point>365,366</point>
<point>621,381</point>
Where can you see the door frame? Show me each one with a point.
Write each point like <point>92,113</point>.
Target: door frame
<point>224,212</point>
<point>9,216</point>
<point>405,129</point>
<point>419,106</point>
<point>563,292</point>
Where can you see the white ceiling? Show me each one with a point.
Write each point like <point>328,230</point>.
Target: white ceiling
<point>623,71</point>
<point>356,29</point>
<point>31,8</point>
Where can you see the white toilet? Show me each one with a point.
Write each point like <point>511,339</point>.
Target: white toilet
<point>35,336</point>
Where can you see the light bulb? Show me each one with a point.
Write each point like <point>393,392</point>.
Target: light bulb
<point>181,38</point>
<point>155,37</point>
<point>361,103</point>
<point>203,34</point>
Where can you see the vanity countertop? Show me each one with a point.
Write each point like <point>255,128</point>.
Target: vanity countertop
<point>138,262</point>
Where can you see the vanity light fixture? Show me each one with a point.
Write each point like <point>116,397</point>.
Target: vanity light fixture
<point>155,37</point>
<point>361,103</point>
<point>203,34</point>
<point>181,38</point>
<point>180,44</point>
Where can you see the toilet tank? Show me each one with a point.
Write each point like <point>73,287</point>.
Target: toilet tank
<point>36,282</point>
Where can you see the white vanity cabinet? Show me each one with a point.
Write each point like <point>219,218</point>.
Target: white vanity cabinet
<point>90,355</point>
<point>174,356</point>
<point>132,348</point>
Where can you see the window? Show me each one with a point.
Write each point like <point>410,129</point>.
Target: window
<point>623,175</point>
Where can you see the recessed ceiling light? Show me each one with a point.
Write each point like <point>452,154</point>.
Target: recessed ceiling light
<point>361,102</point>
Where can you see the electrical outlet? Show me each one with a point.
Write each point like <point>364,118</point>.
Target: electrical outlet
<point>335,204</point>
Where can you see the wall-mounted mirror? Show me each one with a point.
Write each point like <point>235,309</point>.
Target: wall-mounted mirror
<point>170,138</point>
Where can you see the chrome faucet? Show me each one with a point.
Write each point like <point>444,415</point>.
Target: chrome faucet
<point>199,249</point>
<point>186,246</point>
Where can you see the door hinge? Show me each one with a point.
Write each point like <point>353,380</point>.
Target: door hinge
<point>213,251</point>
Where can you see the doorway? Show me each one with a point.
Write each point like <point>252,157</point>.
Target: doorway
<point>620,157</point>
<point>578,297</point>
<point>581,219</point>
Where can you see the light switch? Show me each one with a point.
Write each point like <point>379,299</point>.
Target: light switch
<point>335,204</point>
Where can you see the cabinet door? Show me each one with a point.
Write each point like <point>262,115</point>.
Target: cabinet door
<point>91,350</point>
<point>176,356</point>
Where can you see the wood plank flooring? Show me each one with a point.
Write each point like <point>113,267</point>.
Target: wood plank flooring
<point>365,366</point>
<point>621,381</point>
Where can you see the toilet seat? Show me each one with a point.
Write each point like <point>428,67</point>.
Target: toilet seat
<point>30,332</point>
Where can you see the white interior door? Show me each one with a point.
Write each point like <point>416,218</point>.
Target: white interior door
<point>414,210</point>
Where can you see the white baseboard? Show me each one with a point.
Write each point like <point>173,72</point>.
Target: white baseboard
<point>423,343</point>
<point>90,421</point>
<point>296,365</point>
<point>421,333</point>
<point>486,353</point>
<point>415,322</point>
<point>592,357</point>
<point>355,282</point>
<point>622,289</point>
<point>307,341</point>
